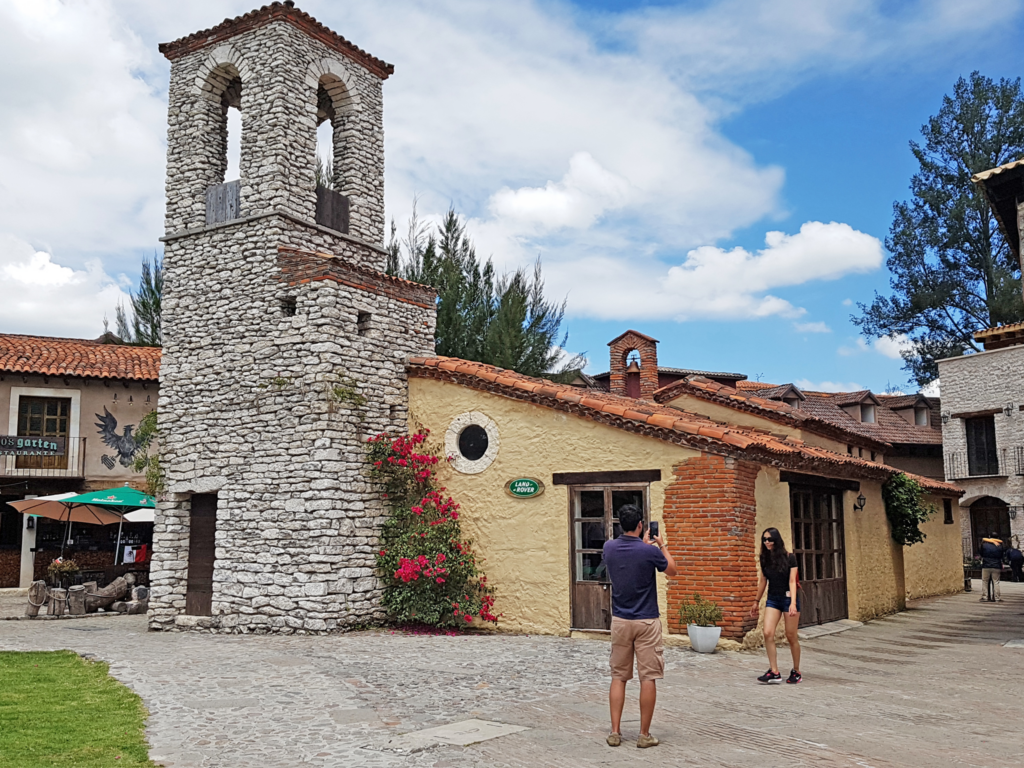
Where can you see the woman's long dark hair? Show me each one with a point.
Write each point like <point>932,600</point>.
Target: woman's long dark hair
<point>776,559</point>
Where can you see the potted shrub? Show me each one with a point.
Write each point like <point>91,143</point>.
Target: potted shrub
<point>62,572</point>
<point>701,618</point>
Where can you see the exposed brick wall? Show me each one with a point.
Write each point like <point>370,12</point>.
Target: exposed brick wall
<point>10,568</point>
<point>648,349</point>
<point>709,518</point>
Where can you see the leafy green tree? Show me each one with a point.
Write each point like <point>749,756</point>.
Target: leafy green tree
<point>503,321</point>
<point>142,326</point>
<point>952,270</point>
<point>905,507</point>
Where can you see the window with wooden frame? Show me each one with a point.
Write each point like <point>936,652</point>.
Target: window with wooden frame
<point>43,417</point>
<point>982,455</point>
<point>595,520</point>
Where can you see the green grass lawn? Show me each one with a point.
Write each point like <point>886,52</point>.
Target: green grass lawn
<point>57,709</point>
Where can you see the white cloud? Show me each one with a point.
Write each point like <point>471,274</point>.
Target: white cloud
<point>893,346</point>
<point>828,386</point>
<point>712,282</point>
<point>81,132</point>
<point>819,327</point>
<point>932,389</point>
<point>847,302</point>
<point>592,139</point>
<point>41,297</point>
<point>583,194</point>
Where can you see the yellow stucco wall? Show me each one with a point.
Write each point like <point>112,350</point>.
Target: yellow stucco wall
<point>874,562</point>
<point>935,566</point>
<point>524,543</point>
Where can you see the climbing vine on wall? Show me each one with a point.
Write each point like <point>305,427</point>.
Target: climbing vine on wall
<point>429,570</point>
<point>905,508</point>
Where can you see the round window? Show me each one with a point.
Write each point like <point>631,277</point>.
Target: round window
<point>473,442</point>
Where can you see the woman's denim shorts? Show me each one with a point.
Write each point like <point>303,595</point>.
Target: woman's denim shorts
<point>782,603</point>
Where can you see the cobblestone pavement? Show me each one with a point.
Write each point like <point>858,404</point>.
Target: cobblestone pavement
<point>932,686</point>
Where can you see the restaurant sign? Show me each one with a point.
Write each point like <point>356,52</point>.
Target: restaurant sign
<point>524,488</point>
<point>31,446</point>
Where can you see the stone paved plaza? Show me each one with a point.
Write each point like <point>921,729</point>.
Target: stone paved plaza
<point>933,686</point>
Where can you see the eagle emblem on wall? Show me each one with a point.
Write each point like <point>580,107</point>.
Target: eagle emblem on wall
<point>125,444</point>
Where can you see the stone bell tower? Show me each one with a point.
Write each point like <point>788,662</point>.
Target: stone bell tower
<point>284,343</point>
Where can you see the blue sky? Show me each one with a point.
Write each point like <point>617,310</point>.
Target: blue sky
<point>644,151</point>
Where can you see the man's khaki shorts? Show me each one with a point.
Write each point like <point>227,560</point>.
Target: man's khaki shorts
<point>641,637</point>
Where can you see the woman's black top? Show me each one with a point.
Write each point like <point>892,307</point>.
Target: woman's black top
<point>778,581</point>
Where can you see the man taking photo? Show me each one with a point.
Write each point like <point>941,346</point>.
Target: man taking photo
<point>636,621</point>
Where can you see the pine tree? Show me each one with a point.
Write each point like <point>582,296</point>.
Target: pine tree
<point>952,270</point>
<point>142,328</point>
<point>505,322</point>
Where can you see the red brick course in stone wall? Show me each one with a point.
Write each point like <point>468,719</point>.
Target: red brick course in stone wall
<point>306,266</point>
<point>709,516</point>
<point>10,568</point>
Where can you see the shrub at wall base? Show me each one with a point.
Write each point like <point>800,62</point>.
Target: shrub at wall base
<point>701,618</point>
<point>429,571</point>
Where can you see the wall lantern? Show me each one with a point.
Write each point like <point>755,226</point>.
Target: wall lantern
<point>1008,410</point>
<point>858,505</point>
<point>1012,512</point>
<point>30,523</point>
<point>945,417</point>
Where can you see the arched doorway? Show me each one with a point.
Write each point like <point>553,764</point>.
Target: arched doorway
<point>989,514</point>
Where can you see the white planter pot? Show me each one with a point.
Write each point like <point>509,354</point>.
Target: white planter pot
<point>703,639</point>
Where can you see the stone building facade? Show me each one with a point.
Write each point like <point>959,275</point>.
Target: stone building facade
<point>983,439</point>
<point>285,344</point>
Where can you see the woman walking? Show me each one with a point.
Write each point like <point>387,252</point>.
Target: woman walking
<point>779,574</point>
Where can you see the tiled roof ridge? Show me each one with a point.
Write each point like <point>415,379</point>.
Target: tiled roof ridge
<point>277,11</point>
<point>771,409</point>
<point>86,358</point>
<point>654,420</point>
<point>634,333</point>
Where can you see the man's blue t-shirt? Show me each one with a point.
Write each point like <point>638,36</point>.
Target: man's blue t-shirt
<point>631,565</point>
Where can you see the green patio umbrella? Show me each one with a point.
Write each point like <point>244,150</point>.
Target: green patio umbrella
<point>118,500</point>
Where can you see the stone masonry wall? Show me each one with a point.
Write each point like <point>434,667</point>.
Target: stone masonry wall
<point>710,515</point>
<point>271,412</point>
<point>280,68</point>
<point>979,382</point>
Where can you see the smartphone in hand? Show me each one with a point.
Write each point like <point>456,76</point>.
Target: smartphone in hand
<point>654,528</point>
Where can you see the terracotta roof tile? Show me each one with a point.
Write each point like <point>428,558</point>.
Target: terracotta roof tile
<point>78,357</point>
<point>773,410</point>
<point>668,423</point>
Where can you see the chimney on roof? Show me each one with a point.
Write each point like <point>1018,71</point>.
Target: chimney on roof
<point>634,365</point>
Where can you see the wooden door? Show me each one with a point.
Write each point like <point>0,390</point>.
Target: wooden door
<point>819,545</point>
<point>594,519</point>
<point>202,533</point>
<point>989,515</point>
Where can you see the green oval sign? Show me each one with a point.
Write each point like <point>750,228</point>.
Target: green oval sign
<point>524,488</point>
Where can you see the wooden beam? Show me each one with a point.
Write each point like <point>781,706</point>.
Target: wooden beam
<point>839,484</point>
<point>606,478</point>
<point>975,414</point>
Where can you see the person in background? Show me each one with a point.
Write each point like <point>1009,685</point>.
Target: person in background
<point>779,575</point>
<point>1016,559</point>
<point>636,621</point>
<point>991,551</point>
